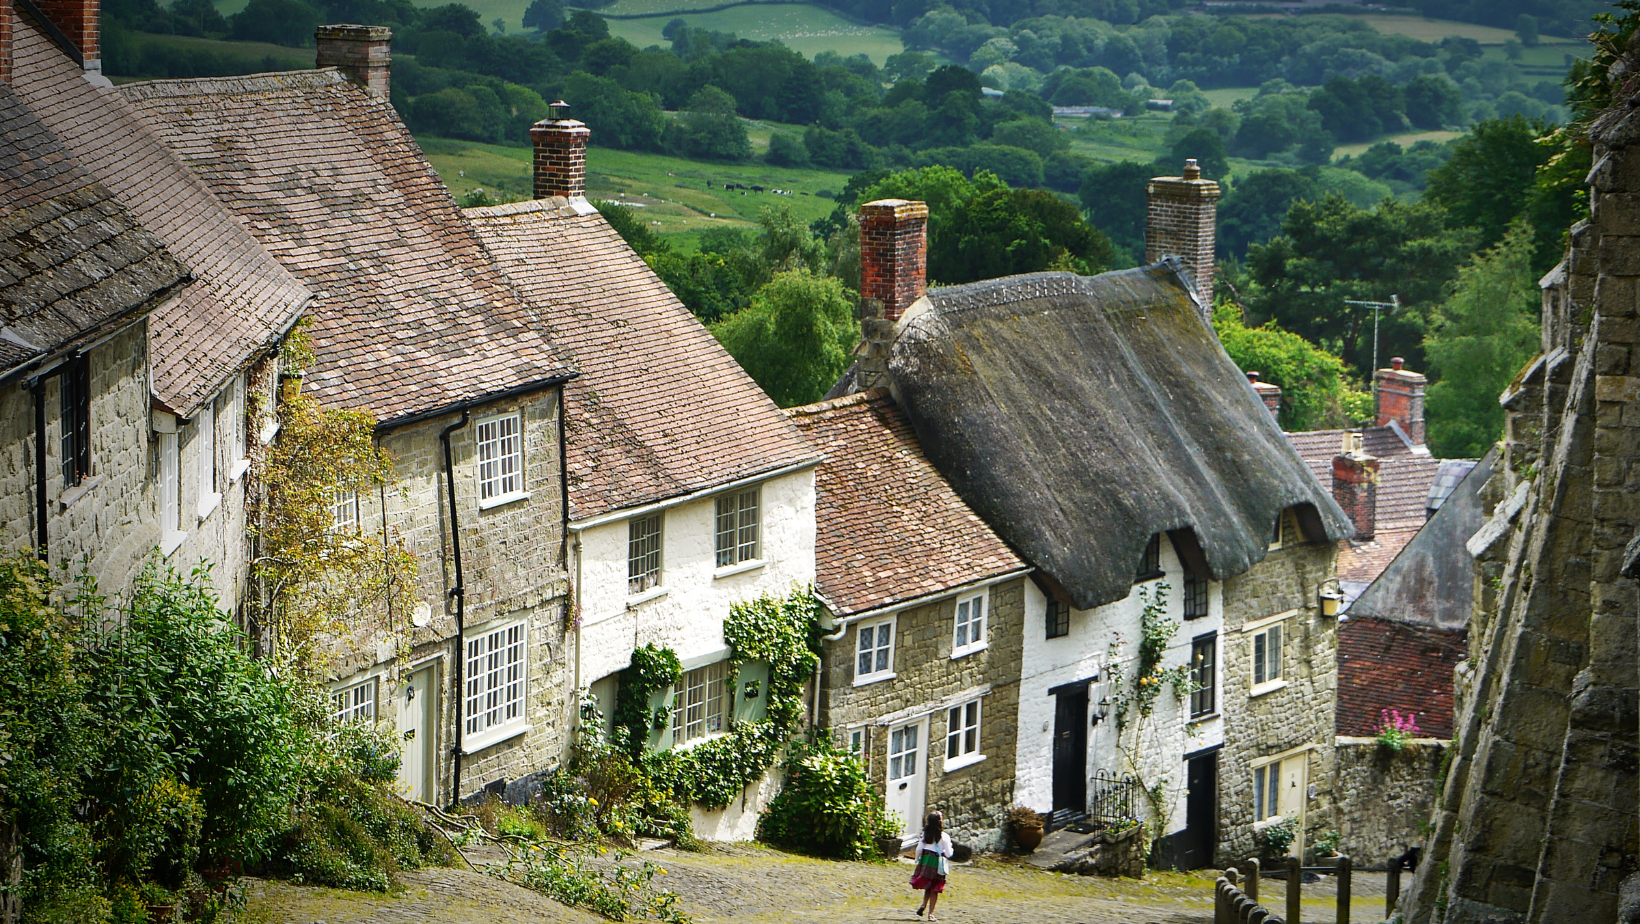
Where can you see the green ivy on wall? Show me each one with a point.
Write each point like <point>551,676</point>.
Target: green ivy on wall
<point>777,631</point>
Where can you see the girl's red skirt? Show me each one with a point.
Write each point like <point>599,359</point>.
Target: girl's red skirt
<point>927,874</point>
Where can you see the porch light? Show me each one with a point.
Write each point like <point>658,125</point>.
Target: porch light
<point>1332,596</point>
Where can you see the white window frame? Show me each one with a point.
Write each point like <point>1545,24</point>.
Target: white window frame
<point>970,632</point>
<point>1262,658</point>
<point>355,702</point>
<point>344,512</point>
<point>239,460</point>
<point>504,485</point>
<point>963,724</point>
<point>706,715</point>
<point>1267,792</point>
<point>495,680</point>
<point>170,494</point>
<point>205,459</point>
<point>881,656</point>
<point>739,543</point>
<point>644,588</point>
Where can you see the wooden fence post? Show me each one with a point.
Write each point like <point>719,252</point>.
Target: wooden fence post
<point>1343,890</point>
<point>1220,893</point>
<point>1295,877</point>
<point>1250,886</point>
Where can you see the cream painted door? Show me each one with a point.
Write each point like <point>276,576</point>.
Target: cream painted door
<point>907,773</point>
<point>1295,794</point>
<point>418,705</point>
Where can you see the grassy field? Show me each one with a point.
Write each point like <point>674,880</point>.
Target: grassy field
<point>803,27</point>
<point>677,196</point>
<point>1224,96</point>
<point>1406,141</point>
<point>284,58</point>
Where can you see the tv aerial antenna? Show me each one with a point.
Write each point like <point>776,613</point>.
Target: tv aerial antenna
<point>1378,309</point>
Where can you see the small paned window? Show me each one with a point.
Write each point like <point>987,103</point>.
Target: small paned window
<point>962,731</point>
<point>356,703</point>
<point>74,387</point>
<point>1195,596</point>
<point>495,679</point>
<point>500,457</point>
<point>344,512</point>
<point>1267,655</point>
<point>737,528</point>
<point>1204,670</point>
<point>205,456</point>
<point>1150,564</point>
<point>698,707</point>
<point>1059,618</point>
<point>874,654</point>
<point>1267,791</point>
<point>970,633</point>
<point>170,483</point>
<point>902,752</point>
<point>857,742</point>
<point>643,553</point>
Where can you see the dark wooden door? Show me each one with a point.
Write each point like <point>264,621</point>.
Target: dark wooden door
<point>1070,750</point>
<point>1200,837</point>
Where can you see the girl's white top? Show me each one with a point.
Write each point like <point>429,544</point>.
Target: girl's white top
<point>943,848</point>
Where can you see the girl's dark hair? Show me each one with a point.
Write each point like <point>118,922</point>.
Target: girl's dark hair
<point>933,827</point>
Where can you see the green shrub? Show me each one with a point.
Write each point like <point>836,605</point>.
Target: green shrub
<point>358,835</point>
<point>828,806</point>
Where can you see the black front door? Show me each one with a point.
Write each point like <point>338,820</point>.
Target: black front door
<point>1070,749</point>
<point>1200,836</point>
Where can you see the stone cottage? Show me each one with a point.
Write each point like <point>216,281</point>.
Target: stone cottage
<point>1098,427</point>
<point>164,466</point>
<point>921,661</point>
<point>688,491</point>
<point>416,325</point>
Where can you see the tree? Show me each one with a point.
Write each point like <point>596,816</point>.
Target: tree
<point>1316,393</point>
<point>1433,101</point>
<point>282,22</point>
<point>618,118</point>
<point>787,151</point>
<point>708,127</point>
<point>1485,183</point>
<point>1251,212</point>
<point>1330,250</point>
<point>1205,146</point>
<point>1526,29</point>
<point>795,338</point>
<point>1478,340</point>
<point>1116,202</point>
<point>1037,135</point>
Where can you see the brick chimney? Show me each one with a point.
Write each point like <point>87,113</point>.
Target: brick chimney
<point>893,275</point>
<point>80,22</point>
<point>7,16</point>
<point>1401,399</point>
<point>1181,222</point>
<point>1268,393</point>
<point>363,53</point>
<point>1355,486</point>
<point>560,155</point>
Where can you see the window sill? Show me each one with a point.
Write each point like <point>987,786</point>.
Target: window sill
<point>267,433</point>
<point>967,760</point>
<point>209,504</point>
<point>238,471</point>
<point>170,542</point>
<point>1206,717</point>
<point>693,743</point>
<point>652,593</point>
<point>742,568</point>
<point>502,500</point>
<point>1148,576</point>
<point>74,494</point>
<point>1268,687</point>
<point>1268,822</point>
<point>971,649</point>
<point>492,737</point>
<point>869,679</point>
<point>1197,616</point>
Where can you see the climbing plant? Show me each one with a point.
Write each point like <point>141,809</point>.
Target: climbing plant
<point>653,669</point>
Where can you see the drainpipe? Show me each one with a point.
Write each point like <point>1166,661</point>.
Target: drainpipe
<point>573,605</point>
<point>457,593</point>
<point>41,508</point>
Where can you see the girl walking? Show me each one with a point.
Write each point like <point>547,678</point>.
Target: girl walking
<point>931,868</point>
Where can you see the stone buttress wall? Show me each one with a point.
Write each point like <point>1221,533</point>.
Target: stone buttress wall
<point>1384,797</point>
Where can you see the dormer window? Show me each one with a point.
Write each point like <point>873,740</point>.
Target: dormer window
<point>1195,595</point>
<point>1150,564</point>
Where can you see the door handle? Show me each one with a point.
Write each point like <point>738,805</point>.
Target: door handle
<point>903,785</point>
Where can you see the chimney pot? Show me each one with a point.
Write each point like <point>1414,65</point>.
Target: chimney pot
<point>363,53</point>
<point>1355,488</point>
<point>1396,363</point>
<point>1252,377</point>
<point>1181,221</point>
<point>560,156</point>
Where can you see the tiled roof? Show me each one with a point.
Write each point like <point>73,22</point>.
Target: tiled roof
<point>891,528</point>
<point>1364,561</point>
<point>73,261</point>
<point>660,409</point>
<point>240,302</point>
<point>1384,664</point>
<point>415,317</point>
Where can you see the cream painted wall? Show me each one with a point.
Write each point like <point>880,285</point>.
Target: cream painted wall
<point>1086,652</point>
<point>688,616</point>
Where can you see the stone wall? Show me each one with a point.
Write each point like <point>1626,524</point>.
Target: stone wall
<point>1384,797</point>
<point>1293,720</point>
<point>1537,817</point>
<point>975,797</point>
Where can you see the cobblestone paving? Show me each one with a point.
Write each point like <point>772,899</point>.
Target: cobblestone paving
<point>746,884</point>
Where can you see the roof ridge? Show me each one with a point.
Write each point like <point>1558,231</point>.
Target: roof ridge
<point>224,86</point>
<point>556,206</point>
<point>832,404</point>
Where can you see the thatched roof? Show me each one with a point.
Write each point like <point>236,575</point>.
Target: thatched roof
<point>1079,416</point>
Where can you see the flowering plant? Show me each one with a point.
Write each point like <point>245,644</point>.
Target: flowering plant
<point>1396,730</point>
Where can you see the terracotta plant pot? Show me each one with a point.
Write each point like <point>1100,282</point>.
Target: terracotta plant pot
<point>1029,837</point>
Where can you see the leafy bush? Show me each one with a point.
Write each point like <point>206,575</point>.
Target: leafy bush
<point>1279,836</point>
<point>828,806</point>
